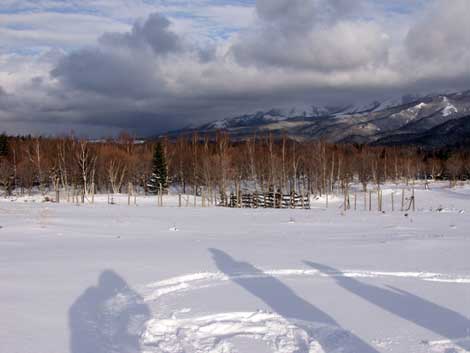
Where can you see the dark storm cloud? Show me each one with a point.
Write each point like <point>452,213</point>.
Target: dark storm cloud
<point>299,52</point>
<point>123,64</point>
<point>109,73</point>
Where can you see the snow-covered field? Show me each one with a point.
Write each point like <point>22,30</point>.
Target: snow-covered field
<point>117,279</point>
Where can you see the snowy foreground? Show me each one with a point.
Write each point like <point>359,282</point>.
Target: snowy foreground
<point>124,279</point>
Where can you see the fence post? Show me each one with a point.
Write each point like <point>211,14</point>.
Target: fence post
<point>393,204</point>
<point>379,200</point>
<point>327,199</point>
<point>370,200</point>
<point>402,199</point>
<point>179,200</point>
<point>239,197</point>
<point>413,198</point>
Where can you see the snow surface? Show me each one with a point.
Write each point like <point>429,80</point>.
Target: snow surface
<point>449,110</point>
<point>116,278</point>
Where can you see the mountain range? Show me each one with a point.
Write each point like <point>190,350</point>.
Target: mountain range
<point>431,120</point>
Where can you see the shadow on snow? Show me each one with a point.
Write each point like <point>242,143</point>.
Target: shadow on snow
<point>107,318</point>
<point>440,320</point>
<point>283,300</point>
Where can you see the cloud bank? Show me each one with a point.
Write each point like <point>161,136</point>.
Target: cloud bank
<point>164,72</point>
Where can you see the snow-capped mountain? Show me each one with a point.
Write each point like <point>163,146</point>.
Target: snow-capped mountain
<point>391,121</point>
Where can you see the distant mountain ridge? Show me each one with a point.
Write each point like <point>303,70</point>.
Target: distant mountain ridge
<point>417,120</point>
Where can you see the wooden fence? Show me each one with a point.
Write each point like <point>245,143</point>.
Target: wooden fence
<point>268,200</point>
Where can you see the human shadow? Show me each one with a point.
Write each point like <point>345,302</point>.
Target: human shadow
<point>284,301</point>
<point>440,320</point>
<point>107,318</point>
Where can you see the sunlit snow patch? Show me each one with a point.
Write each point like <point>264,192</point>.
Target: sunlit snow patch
<point>448,346</point>
<point>213,333</point>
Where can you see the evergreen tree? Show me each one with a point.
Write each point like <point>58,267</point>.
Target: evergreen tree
<point>159,171</point>
<point>3,145</point>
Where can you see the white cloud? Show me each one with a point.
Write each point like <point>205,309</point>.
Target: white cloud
<point>48,29</point>
<point>224,59</point>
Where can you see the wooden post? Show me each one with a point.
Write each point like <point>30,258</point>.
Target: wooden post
<point>327,199</point>
<point>135,199</point>
<point>203,200</point>
<point>393,203</point>
<point>413,198</point>
<point>239,201</point>
<point>57,195</point>
<point>370,200</point>
<point>365,200</point>
<point>92,192</point>
<point>355,201</point>
<point>179,200</point>
<point>161,195</point>
<point>379,200</point>
<point>129,191</point>
<point>195,197</point>
<point>402,200</point>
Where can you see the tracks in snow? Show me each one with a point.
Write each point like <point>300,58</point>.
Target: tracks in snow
<point>214,333</point>
<point>201,280</point>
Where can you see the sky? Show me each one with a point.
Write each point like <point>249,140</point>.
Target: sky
<point>99,67</point>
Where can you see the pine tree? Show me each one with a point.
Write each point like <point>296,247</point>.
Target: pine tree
<point>159,171</point>
<point>3,145</point>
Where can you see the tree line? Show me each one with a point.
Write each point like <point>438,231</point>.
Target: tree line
<point>218,164</point>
